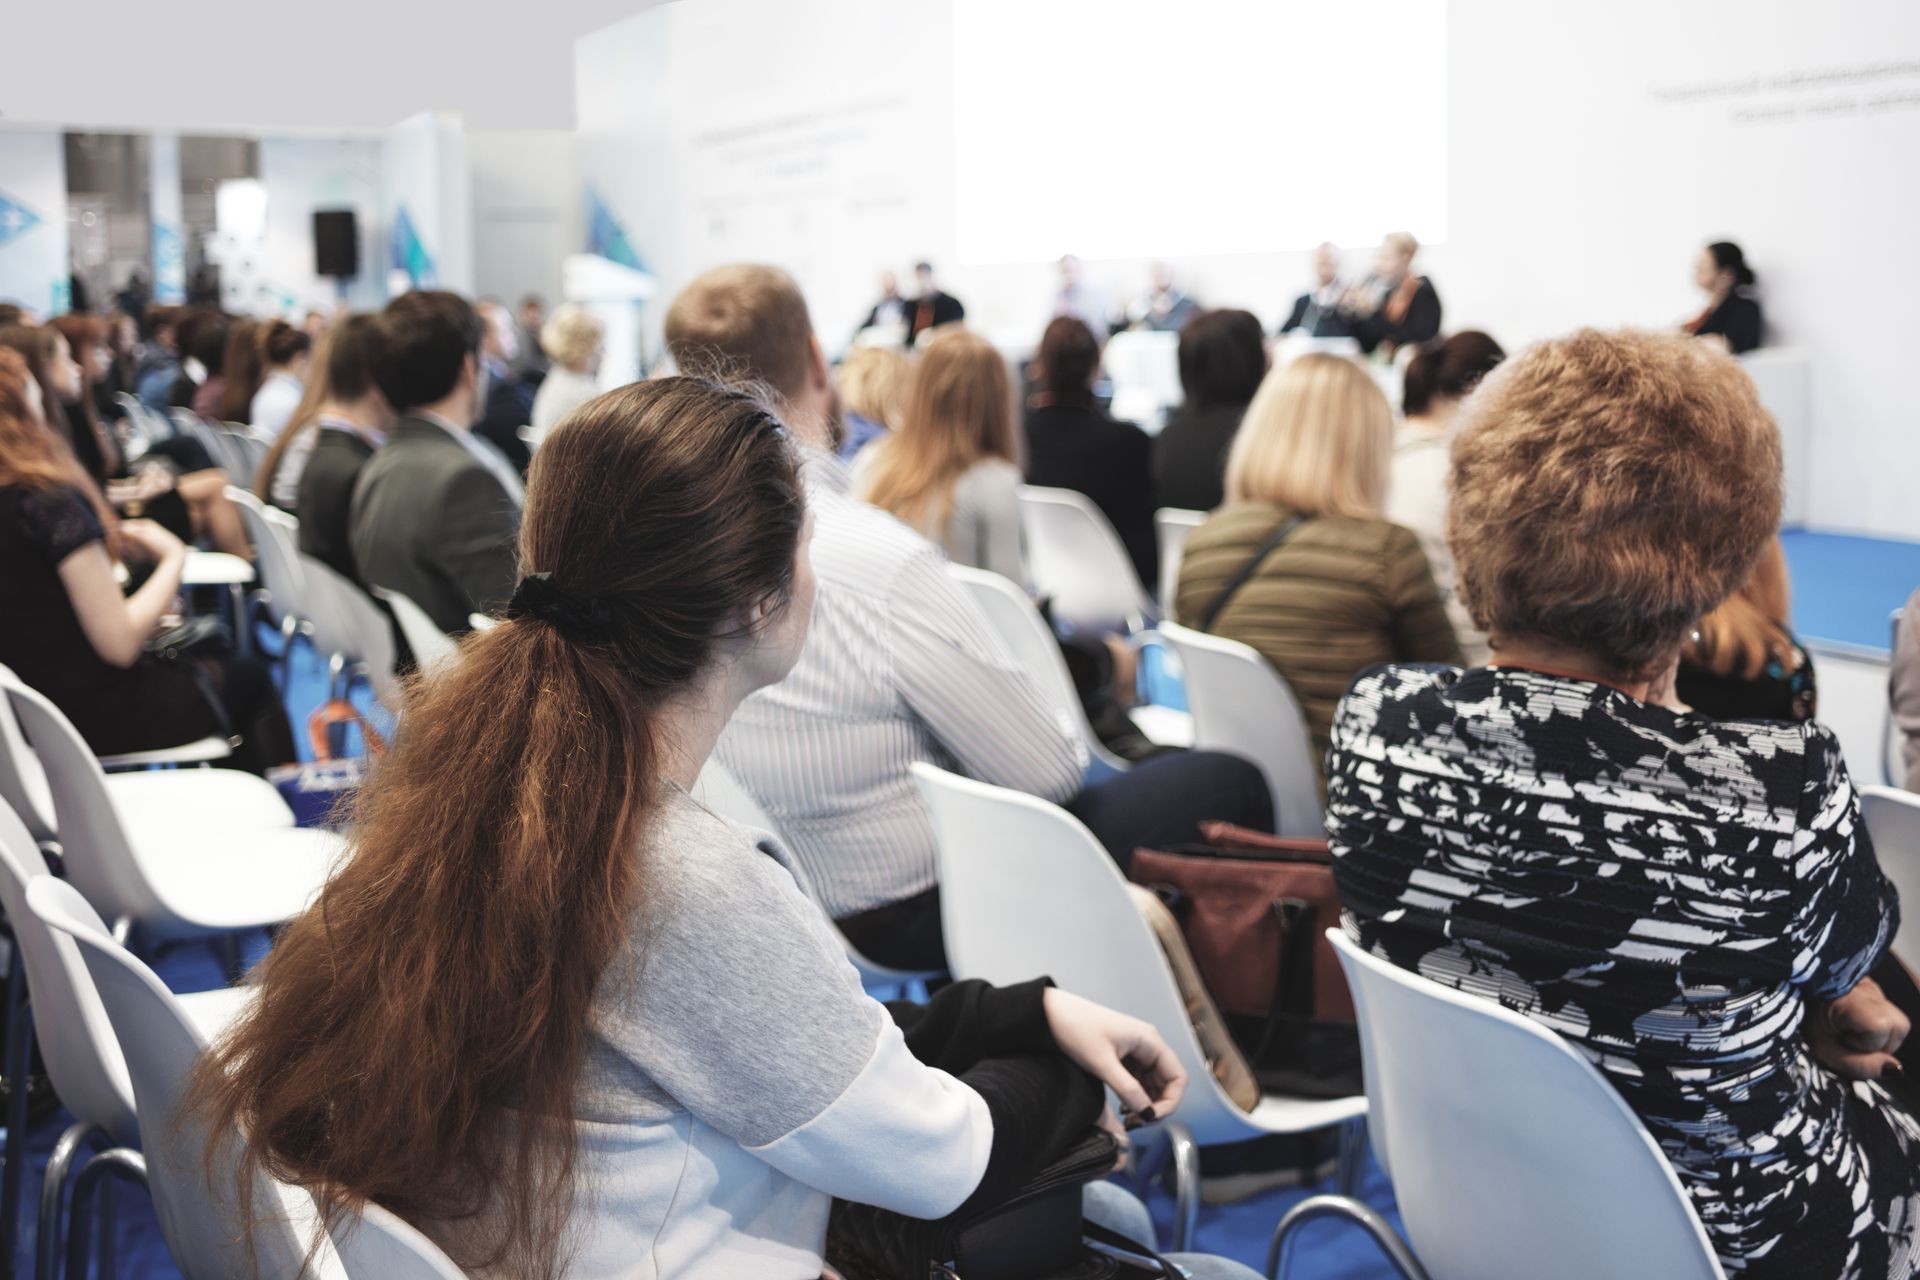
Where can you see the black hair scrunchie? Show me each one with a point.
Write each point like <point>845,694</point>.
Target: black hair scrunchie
<point>537,597</point>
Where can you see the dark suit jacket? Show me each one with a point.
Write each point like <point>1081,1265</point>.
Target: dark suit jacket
<point>1421,322</point>
<point>325,501</point>
<point>1070,447</point>
<point>945,309</point>
<point>508,409</point>
<point>1190,456</point>
<point>431,522</point>
<point>1327,323</point>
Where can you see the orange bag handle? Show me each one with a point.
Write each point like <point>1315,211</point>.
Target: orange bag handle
<point>339,711</point>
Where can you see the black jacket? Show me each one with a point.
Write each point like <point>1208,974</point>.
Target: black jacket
<point>942,308</point>
<point>1737,319</point>
<point>1071,447</point>
<point>1421,323</point>
<point>508,409</point>
<point>1190,456</point>
<point>326,498</point>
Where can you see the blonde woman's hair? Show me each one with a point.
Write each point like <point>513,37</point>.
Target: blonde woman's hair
<point>1749,629</point>
<point>1317,439</point>
<point>958,410</point>
<point>571,337</point>
<point>873,383</point>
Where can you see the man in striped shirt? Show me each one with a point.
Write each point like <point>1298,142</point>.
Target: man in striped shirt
<point>900,666</point>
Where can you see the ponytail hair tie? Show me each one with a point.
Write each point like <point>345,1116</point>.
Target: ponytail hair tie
<point>582,619</point>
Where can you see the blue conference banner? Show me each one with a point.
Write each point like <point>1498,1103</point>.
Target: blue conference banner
<point>169,264</point>
<point>605,236</point>
<point>16,219</point>
<point>406,252</point>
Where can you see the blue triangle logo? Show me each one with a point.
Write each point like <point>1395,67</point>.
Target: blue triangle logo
<point>16,219</point>
<point>606,237</point>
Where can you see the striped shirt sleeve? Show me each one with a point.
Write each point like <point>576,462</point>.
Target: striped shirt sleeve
<point>986,712</point>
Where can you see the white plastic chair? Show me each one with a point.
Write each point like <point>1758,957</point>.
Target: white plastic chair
<point>379,1245</point>
<point>355,633</point>
<point>149,798</point>
<point>1241,704</point>
<point>482,621</point>
<point>195,1218</point>
<point>1171,525</point>
<point>1511,1156</point>
<point>201,874</point>
<point>284,588</point>
<point>1026,891</point>
<point>727,796</point>
<point>1079,561</point>
<point>1892,816</point>
<point>1031,645</point>
<point>431,646</point>
<point>76,1042</point>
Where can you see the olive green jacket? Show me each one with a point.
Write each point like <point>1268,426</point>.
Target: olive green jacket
<point>1338,596</point>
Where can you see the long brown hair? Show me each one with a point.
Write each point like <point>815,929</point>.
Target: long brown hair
<point>341,372</point>
<point>959,409</point>
<point>32,454</point>
<point>240,372</point>
<point>83,333</point>
<point>420,1030</point>
<point>1749,629</point>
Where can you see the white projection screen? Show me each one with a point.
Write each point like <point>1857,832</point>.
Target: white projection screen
<point>1150,128</point>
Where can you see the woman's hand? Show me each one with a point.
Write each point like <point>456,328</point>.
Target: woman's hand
<point>1123,1053</point>
<point>154,539</point>
<point>1857,1035</point>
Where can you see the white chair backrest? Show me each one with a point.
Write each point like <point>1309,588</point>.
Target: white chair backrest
<point>23,783</point>
<point>1240,704</point>
<point>1026,891</point>
<point>482,621</point>
<point>1079,561</point>
<point>70,1026</point>
<point>276,550</point>
<point>431,646</point>
<point>1031,645</point>
<point>1892,816</point>
<point>347,621</point>
<point>196,1216</point>
<point>1171,525</point>
<point>379,1243</point>
<point>1506,1147</point>
<point>98,858</point>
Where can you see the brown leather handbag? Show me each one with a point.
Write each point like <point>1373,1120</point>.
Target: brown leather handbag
<point>1255,909</point>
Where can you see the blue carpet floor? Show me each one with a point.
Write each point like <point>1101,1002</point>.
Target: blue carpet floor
<point>1844,586</point>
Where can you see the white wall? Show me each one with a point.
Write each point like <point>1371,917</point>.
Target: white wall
<point>526,211</point>
<point>33,220</point>
<point>424,173</point>
<point>304,174</point>
<point>1591,151</point>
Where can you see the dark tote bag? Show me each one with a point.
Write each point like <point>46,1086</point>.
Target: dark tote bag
<point>318,791</point>
<point>1254,909</point>
<point>1038,1233</point>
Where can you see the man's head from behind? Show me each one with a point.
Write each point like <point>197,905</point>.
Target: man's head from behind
<point>750,322</point>
<point>428,354</point>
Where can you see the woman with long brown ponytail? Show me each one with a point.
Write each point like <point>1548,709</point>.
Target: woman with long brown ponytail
<point>565,1019</point>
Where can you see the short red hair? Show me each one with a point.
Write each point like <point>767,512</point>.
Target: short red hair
<point>1609,490</point>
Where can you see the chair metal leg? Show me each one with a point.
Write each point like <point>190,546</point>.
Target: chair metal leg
<point>119,1160</point>
<point>19,1064</point>
<point>1351,1210</point>
<point>46,1245</point>
<point>1353,1156</point>
<point>1186,1187</point>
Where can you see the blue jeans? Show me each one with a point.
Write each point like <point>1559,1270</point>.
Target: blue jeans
<point>1112,1206</point>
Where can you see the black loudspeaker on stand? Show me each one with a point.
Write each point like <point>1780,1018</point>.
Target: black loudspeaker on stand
<point>336,244</point>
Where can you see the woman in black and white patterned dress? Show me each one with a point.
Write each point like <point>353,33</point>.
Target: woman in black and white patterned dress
<point>1692,903</point>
